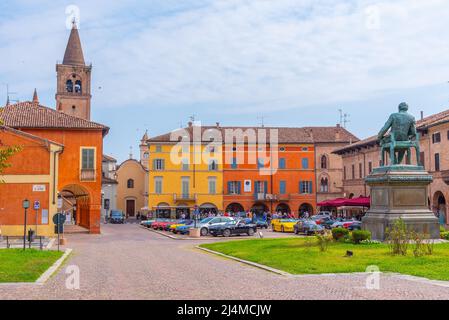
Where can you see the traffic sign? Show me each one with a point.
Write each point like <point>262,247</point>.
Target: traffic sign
<point>37,205</point>
<point>61,218</point>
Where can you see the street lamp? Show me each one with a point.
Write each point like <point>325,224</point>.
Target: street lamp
<point>25,205</point>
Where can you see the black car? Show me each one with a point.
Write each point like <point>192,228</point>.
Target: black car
<point>233,228</point>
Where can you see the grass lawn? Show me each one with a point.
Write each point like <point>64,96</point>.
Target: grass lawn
<point>294,256</point>
<point>17,265</point>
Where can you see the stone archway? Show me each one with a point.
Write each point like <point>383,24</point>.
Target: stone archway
<point>283,208</point>
<point>259,208</point>
<point>439,206</point>
<point>305,207</point>
<point>235,207</point>
<point>76,203</point>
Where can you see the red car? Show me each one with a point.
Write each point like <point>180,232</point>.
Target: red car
<point>159,225</point>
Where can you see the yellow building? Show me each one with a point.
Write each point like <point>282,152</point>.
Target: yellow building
<point>182,178</point>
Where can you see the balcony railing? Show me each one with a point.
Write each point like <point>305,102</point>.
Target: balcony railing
<point>185,197</point>
<point>87,175</point>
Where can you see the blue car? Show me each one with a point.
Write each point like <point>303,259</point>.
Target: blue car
<point>183,229</point>
<point>117,217</point>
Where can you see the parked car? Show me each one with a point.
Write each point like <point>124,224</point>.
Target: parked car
<point>325,221</point>
<point>308,227</point>
<point>343,223</point>
<point>147,223</point>
<point>183,229</point>
<point>160,225</point>
<point>208,222</point>
<point>117,217</point>
<point>356,225</point>
<point>233,228</point>
<point>183,222</point>
<point>263,224</point>
<point>284,225</point>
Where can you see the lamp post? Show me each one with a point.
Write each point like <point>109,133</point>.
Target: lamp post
<point>25,205</point>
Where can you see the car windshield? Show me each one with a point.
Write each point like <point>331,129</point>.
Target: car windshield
<point>206,220</point>
<point>289,220</point>
<point>116,214</point>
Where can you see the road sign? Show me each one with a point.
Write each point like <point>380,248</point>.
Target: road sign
<point>37,205</point>
<point>61,218</point>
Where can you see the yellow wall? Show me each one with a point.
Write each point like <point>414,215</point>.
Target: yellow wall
<point>173,173</point>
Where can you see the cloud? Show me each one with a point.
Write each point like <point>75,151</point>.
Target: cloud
<point>236,56</point>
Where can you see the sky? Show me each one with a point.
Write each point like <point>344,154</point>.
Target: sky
<point>156,63</point>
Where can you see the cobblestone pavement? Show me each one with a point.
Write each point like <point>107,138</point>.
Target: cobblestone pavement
<point>129,262</point>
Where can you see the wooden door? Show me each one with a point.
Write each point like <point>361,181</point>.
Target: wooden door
<point>130,208</point>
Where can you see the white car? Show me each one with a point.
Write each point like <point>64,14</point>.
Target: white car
<point>204,224</point>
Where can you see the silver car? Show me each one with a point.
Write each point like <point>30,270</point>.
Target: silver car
<point>204,224</point>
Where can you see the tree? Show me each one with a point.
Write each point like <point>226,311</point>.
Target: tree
<point>5,154</point>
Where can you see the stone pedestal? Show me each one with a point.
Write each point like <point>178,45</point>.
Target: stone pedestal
<point>400,191</point>
<point>195,233</point>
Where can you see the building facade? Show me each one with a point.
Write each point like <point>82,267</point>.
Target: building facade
<point>242,175</point>
<point>132,188</point>
<point>31,175</point>
<point>361,157</point>
<point>177,187</point>
<point>108,186</point>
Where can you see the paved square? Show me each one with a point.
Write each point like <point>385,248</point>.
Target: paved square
<point>129,262</point>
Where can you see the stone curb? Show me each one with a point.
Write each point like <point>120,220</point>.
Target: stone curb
<point>50,271</point>
<point>440,283</point>
<point>257,265</point>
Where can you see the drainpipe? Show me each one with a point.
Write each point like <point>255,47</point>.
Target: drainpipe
<point>54,174</point>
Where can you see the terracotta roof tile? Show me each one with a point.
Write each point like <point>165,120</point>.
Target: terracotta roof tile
<point>285,134</point>
<point>33,115</point>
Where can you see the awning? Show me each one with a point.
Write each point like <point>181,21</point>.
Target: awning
<point>344,202</point>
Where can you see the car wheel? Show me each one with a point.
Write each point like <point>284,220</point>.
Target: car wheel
<point>226,233</point>
<point>204,232</point>
<point>250,231</point>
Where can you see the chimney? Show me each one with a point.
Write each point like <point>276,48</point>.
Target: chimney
<point>422,115</point>
<point>217,124</point>
<point>338,125</point>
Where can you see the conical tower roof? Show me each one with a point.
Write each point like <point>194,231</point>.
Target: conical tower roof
<point>74,52</point>
<point>35,97</point>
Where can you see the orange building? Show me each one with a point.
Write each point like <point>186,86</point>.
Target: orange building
<point>31,176</point>
<point>78,177</point>
<point>288,185</point>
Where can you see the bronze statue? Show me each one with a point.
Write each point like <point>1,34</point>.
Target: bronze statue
<point>403,136</point>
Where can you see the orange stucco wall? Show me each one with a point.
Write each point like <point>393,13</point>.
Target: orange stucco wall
<point>292,175</point>
<point>33,159</point>
<point>70,165</point>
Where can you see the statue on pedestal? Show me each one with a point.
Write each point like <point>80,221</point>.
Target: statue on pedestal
<point>398,190</point>
<point>402,137</point>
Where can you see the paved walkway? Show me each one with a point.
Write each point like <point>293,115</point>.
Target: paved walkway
<point>129,262</point>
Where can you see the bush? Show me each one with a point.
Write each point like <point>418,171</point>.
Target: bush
<point>360,235</point>
<point>339,233</point>
<point>444,235</point>
<point>324,240</point>
<point>398,238</point>
<point>442,229</point>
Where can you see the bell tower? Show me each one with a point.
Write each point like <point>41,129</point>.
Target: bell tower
<point>73,91</point>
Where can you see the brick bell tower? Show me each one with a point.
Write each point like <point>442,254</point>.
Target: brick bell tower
<point>73,93</point>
